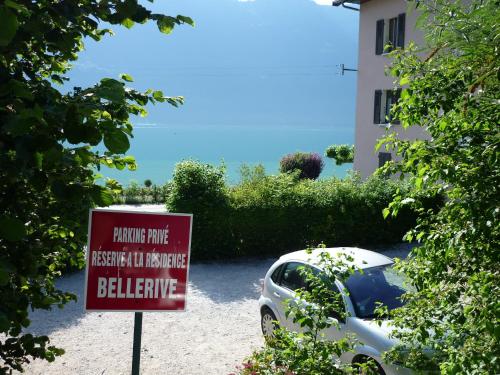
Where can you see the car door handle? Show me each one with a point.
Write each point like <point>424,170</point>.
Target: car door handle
<point>276,294</point>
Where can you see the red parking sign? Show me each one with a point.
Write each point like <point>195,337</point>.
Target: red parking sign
<point>137,261</point>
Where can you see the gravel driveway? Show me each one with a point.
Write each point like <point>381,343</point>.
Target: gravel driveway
<point>219,329</point>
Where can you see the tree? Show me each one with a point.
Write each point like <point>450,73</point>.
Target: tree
<point>453,92</point>
<point>340,153</point>
<point>308,164</point>
<point>47,139</point>
<point>309,351</point>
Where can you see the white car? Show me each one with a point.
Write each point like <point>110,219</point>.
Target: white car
<point>377,283</point>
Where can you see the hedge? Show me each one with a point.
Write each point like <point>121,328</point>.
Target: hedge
<point>272,215</point>
<point>136,194</point>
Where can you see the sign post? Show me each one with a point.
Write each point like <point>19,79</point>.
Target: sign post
<point>136,351</point>
<point>137,261</point>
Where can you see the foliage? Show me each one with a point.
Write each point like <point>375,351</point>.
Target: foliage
<point>252,175</point>
<point>148,183</point>
<point>340,153</point>
<point>317,307</point>
<point>310,165</point>
<point>133,193</point>
<point>200,189</point>
<point>454,93</point>
<point>197,184</point>
<point>48,158</point>
<point>271,215</point>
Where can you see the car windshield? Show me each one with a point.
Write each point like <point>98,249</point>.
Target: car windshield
<point>381,284</point>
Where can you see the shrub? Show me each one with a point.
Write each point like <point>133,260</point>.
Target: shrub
<point>280,214</point>
<point>135,194</point>
<point>272,215</point>
<point>53,142</point>
<point>160,193</point>
<point>451,89</point>
<point>196,184</point>
<point>310,165</point>
<point>200,189</point>
<point>340,153</point>
<point>308,352</point>
<point>249,174</point>
<point>148,183</point>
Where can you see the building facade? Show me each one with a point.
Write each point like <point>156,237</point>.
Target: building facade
<point>381,22</point>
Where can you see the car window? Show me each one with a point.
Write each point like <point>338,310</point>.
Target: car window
<point>291,277</point>
<point>381,284</point>
<point>338,301</point>
<point>276,274</point>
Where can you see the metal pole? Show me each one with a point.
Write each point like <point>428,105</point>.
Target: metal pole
<point>136,351</point>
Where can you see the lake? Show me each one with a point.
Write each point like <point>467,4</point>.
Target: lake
<point>157,148</point>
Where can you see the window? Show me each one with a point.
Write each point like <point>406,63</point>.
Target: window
<point>291,277</point>
<point>390,34</point>
<point>383,157</point>
<point>381,284</point>
<point>276,274</point>
<point>338,301</point>
<point>384,100</point>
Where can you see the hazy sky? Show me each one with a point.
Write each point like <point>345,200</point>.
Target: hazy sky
<point>246,63</point>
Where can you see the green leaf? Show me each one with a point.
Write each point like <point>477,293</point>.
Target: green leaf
<point>405,95</point>
<point>14,5</point>
<point>9,23</point>
<point>166,24</point>
<point>404,80</point>
<point>38,157</point>
<point>128,159</point>
<point>386,212</point>
<point>128,23</point>
<point>126,77</point>
<point>11,229</point>
<point>111,89</point>
<point>185,19</point>
<point>102,196</point>
<point>73,129</point>
<point>117,142</point>
<point>418,182</point>
<point>158,95</point>
<point>92,135</point>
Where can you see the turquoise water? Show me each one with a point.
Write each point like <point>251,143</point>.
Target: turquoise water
<point>260,79</point>
<point>157,148</point>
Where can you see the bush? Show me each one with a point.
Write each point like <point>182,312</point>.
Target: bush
<point>249,174</point>
<point>272,215</point>
<point>136,194</point>
<point>280,214</point>
<point>340,153</point>
<point>310,165</point>
<point>200,189</point>
<point>453,94</point>
<point>307,351</point>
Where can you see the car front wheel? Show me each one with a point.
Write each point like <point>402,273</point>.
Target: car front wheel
<point>268,323</point>
<point>365,365</point>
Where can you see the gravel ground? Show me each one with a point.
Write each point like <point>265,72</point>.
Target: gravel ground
<point>218,330</point>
